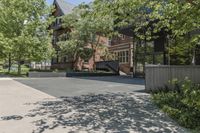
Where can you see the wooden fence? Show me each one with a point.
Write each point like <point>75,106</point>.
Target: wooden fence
<point>158,76</point>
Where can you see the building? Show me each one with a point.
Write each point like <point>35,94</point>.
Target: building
<point>122,48</point>
<point>60,34</point>
<point>133,54</point>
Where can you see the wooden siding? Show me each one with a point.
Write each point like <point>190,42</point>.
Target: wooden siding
<point>159,76</point>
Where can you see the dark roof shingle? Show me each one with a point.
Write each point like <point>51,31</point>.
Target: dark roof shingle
<point>64,6</point>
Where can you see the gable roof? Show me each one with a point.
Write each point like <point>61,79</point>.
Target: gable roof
<point>64,6</point>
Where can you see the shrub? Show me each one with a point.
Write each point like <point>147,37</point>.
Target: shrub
<point>182,103</point>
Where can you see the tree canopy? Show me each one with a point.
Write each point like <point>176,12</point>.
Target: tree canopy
<point>178,19</point>
<point>24,30</point>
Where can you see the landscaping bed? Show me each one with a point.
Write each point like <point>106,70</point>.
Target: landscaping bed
<point>182,103</point>
<point>89,74</point>
<point>13,72</point>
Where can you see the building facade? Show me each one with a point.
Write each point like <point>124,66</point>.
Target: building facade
<point>122,48</point>
<point>132,54</point>
<point>59,33</point>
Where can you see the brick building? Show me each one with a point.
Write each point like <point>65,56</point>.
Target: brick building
<point>133,54</point>
<point>151,52</point>
<point>60,34</point>
<point>122,48</point>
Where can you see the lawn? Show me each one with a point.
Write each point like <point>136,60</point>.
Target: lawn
<point>13,72</point>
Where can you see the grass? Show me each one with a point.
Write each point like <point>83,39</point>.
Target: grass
<point>14,73</point>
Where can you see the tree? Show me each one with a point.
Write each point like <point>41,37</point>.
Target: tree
<point>180,19</point>
<point>25,25</point>
<point>77,37</point>
<point>85,33</point>
<point>97,27</point>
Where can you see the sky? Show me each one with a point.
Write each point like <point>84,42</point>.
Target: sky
<point>75,2</point>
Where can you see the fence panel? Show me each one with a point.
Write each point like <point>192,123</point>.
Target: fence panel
<point>157,76</point>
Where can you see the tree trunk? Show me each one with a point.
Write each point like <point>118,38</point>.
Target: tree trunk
<point>75,63</point>
<point>9,63</point>
<point>94,60</point>
<point>19,68</point>
<point>93,57</point>
<point>193,57</point>
<point>134,56</point>
<point>94,54</point>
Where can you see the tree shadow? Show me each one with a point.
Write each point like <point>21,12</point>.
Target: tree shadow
<point>12,117</point>
<point>120,113</point>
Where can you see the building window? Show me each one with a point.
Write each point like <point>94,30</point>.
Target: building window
<point>109,42</point>
<point>58,21</point>
<point>122,56</point>
<point>123,37</point>
<point>66,58</point>
<point>54,40</point>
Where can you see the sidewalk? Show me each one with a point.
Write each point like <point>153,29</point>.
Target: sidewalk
<point>14,105</point>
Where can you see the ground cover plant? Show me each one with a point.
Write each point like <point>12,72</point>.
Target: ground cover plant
<point>182,103</point>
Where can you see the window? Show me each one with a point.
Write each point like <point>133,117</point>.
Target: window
<point>64,37</point>
<point>109,42</point>
<point>66,58</point>
<point>122,36</point>
<point>58,21</point>
<point>54,39</point>
<point>59,58</point>
<point>122,56</point>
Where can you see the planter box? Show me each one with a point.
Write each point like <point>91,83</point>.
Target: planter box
<point>69,74</point>
<point>85,74</point>
<point>46,74</point>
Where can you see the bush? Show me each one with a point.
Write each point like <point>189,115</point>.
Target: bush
<point>181,103</point>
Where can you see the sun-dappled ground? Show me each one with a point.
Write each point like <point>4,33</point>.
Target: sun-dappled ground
<point>121,111</point>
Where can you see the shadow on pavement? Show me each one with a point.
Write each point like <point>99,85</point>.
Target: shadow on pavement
<point>121,113</point>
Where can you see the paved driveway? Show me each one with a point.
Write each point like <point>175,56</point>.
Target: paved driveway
<point>59,87</point>
<point>73,105</point>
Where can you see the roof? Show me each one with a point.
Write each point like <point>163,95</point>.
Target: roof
<point>64,6</point>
